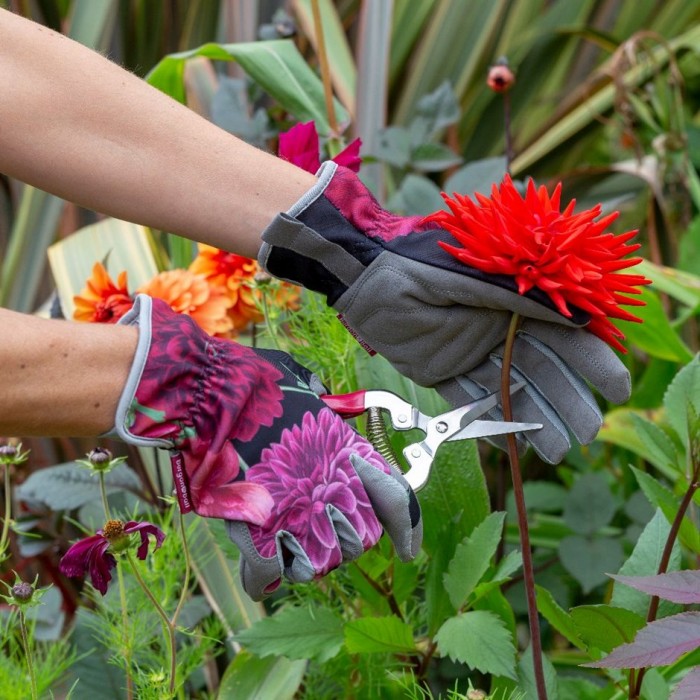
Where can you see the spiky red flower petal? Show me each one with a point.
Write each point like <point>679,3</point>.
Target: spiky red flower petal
<point>569,256</point>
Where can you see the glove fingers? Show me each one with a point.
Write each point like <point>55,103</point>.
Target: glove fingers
<point>593,358</point>
<point>395,504</point>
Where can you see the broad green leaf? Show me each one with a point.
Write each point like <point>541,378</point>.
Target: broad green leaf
<point>683,286</point>
<point>69,486</point>
<point>644,561</point>
<point>434,157</point>
<point>689,253</point>
<point>540,496</point>
<point>409,18</point>
<point>123,245</point>
<point>578,515</point>
<point>526,676</point>
<point>655,335</point>
<point>251,678</point>
<point>480,640</point>
<point>277,66</point>
<point>684,391</point>
<point>368,635</point>
<point>434,112</point>
<point>677,586</point>
<point>588,559</point>
<point>658,447</point>
<point>661,497</point>
<point>394,146</point>
<point>605,626</point>
<point>417,195</point>
<point>472,559</point>
<point>297,632</point>
<point>561,620</point>
<point>689,687</point>
<point>660,643</point>
<point>576,688</point>
<point>477,176</point>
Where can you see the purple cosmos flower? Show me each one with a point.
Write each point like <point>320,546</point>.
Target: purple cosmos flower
<point>305,472</point>
<point>300,146</point>
<point>93,554</point>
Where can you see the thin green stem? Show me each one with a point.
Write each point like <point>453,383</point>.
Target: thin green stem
<point>188,566</point>
<point>7,515</point>
<point>28,653</point>
<point>125,635</point>
<point>523,527</point>
<point>103,493</point>
<point>169,627</point>
<point>269,322</point>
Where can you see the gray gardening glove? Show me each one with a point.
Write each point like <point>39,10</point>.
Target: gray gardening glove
<point>436,320</point>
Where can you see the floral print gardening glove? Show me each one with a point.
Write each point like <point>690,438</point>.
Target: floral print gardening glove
<point>436,320</point>
<point>252,443</point>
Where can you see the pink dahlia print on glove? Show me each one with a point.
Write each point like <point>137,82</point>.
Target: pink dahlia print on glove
<point>310,476</point>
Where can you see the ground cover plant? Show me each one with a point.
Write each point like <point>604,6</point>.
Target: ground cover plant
<point>110,592</point>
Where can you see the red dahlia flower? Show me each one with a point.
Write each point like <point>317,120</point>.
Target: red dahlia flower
<point>94,554</point>
<point>568,256</point>
<point>300,146</point>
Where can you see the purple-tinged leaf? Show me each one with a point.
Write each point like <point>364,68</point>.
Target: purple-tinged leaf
<point>658,644</point>
<point>689,687</point>
<point>677,586</point>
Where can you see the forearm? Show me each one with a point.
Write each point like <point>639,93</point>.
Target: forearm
<point>79,126</point>
<point>61,378</point>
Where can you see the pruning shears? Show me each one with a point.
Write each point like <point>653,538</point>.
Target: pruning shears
<point>461,423</point>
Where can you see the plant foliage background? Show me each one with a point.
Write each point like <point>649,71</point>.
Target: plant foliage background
<point>606,101</point>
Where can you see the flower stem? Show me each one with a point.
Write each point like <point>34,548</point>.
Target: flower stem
<point>185,585</point>
<point>27,653</point>
<point>325,67</point>
<point>103,493</point>
<point>169,627</point>
<point>7,515</point>
<point>125,634</point>
<point>523,528</point>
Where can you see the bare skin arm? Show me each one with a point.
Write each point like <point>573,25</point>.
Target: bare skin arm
<point>77,125</point>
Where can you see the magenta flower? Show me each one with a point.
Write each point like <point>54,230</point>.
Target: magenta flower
<point>93,555</point>
<point>305,472</point>
<point>300,146</point>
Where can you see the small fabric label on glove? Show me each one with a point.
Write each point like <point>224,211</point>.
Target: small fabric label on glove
<point>180,481</point>
<point>363,344</point>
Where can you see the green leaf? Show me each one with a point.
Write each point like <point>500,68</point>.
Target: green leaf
<point>578,514</point>
<point>477,176</point>
<point>655,335</point>
<point>659,448</point>
<point>69,486</point>
<point>434,157</point>
<point>526,676</point>
<point>683,392</point>
<point>605,626</point>
<point>251,678</point>
<point>661,497</point>
<point>683,286</point>
<point>644,561</point>
<point>277,66</point>
<point>417,195</point>
<point>588,559</point>
<point>561,620</point>
<point>689,251</point>
<point>394,146</point>
<point>368,635</point>
<point>297,633</point>
<point>480,640</point>
<point>472,559</point>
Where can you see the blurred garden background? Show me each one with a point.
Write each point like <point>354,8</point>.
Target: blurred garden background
<point>605,100</point>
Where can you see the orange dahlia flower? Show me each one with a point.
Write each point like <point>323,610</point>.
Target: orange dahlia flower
<point>191,294</point>
<point>569,256</point>
<point>102,300</point>
<point>237,274</point>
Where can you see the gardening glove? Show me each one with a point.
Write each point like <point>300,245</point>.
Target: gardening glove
<point>438,321</point>
<point>253,443</point>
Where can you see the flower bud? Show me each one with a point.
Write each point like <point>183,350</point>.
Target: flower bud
<point>99,458</point>
<point>22,592</point>
<point>12,454</point>
<point>475,694</point>
<point>500,77</point>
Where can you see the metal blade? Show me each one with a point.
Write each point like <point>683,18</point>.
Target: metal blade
<point>486,428</point>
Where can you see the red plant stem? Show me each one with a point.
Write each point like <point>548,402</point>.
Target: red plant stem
<point>666,558</point>
<point>523,528</point>
<point>506,126</point>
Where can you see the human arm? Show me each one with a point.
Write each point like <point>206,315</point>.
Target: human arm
<point>79,126</point>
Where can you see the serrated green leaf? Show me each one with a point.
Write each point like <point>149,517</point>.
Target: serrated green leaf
<point>417,195</point>
<point>578,514</point>
<point>472,558</point>
<point>297,633</point>
<point>684,391</point>
<point>526,676</point>
<point>560,619</point>
<point>394,146</point>
<point>368,635</point>
<point>644,561</point>
<point>251,678</point>
<point>477,176</point>
<point>605,626</point>
<point>480,640</point>
<point>659,448</point>
<point>661,497</point>
<point>69,486</point>
<point>434,157</point>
